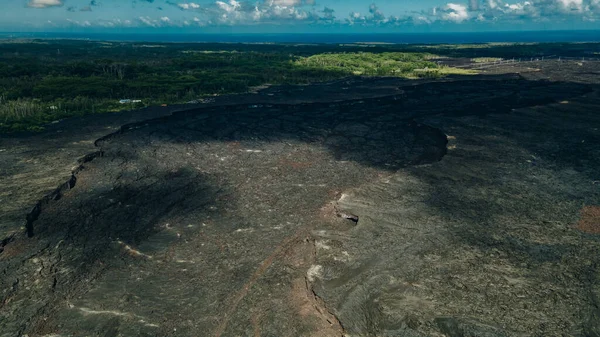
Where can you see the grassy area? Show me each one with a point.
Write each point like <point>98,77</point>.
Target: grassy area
<point>369,64</point>
<point>486,59</point>
<point>441,72</point>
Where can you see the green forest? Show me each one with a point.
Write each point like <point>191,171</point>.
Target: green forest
<point>46,80</point>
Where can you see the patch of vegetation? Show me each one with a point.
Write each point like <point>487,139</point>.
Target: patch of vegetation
<point>442,71</point>
<point>486,59</point>
<point>370,64</point>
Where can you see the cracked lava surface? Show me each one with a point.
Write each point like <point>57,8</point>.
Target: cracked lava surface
<point>436,211</point>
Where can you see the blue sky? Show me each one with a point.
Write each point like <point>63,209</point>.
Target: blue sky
<point>298,15</point>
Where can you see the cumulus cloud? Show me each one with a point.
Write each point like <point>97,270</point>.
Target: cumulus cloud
<point>230,7</point>
<point>516,11</point>
<point>455,12</point>
<point>80,23</point>
<point>44,3</point>
<point>376,13</point>
<point>146,20</point>
<point>329,14</point>
<point>234,12</point>
<point>112,23</point>
<point>163,21</point>
<point>290,3</point>
<point>540,10</point>
<point>254,12</point>
<point>376,17</point>
<point>190,5</point>
<point>473,5</point>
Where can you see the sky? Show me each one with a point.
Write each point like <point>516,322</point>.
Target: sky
<point>298,16</point>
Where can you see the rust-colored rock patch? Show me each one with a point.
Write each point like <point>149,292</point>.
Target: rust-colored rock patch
<point>590,220</point>
<point>11,249</point>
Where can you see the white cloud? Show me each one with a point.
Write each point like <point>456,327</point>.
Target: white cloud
<point>519,11</point>
<point>148,21</point>
<point>282,12</point>
<point>230,7</point>
<point>455,12</point>
<point>474,5</point>
<point>100,23</point>
<point>44,3</point>
<point>377,18</point>
<point>190,5</point>
<point>572,4</point>
<point>235,12</point>
<point>244,12</point>
<point>291,3</point>
<point>285,2</point>
<point>540,10</point>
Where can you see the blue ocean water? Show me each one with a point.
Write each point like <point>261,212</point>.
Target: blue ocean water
<point>409,38</point>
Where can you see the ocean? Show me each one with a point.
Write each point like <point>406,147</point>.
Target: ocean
<point>402,38</point>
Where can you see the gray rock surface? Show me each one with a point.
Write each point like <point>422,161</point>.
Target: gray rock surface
<point>441,209</point>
